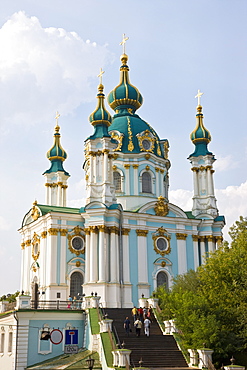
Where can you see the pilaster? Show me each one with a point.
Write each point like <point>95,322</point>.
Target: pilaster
<point>181,250</point>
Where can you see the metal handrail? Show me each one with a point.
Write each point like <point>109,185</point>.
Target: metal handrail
<point>56,305</point>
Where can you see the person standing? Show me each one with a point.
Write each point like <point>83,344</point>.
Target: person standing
<point>147,323</point>
<point>127,326</point>
<point>138,326</point>
<point>134,313</point>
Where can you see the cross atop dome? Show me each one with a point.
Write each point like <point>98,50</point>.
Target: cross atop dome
<point>198,96</point>
<point>123,42</point>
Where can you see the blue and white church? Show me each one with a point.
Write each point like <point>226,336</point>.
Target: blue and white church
<point>127,238</point>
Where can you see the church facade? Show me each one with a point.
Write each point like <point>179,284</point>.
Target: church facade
<point>128,238</point>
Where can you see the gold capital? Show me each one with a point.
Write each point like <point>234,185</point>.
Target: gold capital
<point>125,231</point>
<point>52,231</point>
<point>141,232</point>
<point>135,166</point>
<point>63,232</point>
<point>44,234</point>
<point>181,236</point>
<point>28,242</point>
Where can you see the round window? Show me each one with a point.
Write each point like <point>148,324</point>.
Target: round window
<point>146,144</point>
<point>161,244</point>
<point>77,243</point>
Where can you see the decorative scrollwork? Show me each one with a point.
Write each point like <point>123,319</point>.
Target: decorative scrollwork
<point>146,141</point>
<point>161,240</point>
<point>161,207</point>
<point>76,241</point>
<point>35,247</point>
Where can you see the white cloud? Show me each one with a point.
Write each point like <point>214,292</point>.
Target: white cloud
<point>44,69</point>
<point>182,198</point>
<point>225,163</point>
<point>231,202</point>
<point>4,226</point>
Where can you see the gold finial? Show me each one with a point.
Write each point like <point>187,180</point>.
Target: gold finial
<point>198,96</point>
<point>100,75</point>
<point>56,118</point>
<point>123,42</point>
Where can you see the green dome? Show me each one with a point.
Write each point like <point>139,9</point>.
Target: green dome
<point>134,135</point>
<point>100,114</point>
<point>200,133</point>
<point>56,151</point>
<point>200,136</point>
<point>125,95</point>
<point>56,154</point>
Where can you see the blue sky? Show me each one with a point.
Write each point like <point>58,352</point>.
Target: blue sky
<point>51,53</point>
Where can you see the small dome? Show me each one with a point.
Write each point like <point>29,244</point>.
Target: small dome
<point>56,154</point>
<point>100,114</point>
<point>200,136</point>
<point>125,95</point>
<point>200,133</point>
<point>56,151</point>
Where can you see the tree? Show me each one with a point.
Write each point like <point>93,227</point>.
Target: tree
<point>210,304</point>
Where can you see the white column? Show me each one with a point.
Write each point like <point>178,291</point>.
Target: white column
<point>87,256</point>
<point>211,244</point>
<point>106,151</point>
<point>63,263</point>
<point>135,167</point>
<point>127,180</point>
<point>52,256</point>
<point>114,266</point>
<point>28,253</point>
<point>23,271</point>
<point>203,249</point>
<point>181,250</point>
<point>102,260</point>
<point>195,179</point>
<point>93,255</point>
<point>195,248</point>
<point>59,194</point>
<point>47,198</point>
<point>126,261</point>
<point>142,256</point>
<point>158,192</point>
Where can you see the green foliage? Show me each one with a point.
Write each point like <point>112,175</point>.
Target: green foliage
<point>10,297</point>
<point>210,305</point>
<point>94,321</point>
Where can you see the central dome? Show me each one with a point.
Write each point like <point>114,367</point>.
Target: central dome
<point>125,95</point>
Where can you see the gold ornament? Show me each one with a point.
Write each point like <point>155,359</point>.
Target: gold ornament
<point>161,207</point>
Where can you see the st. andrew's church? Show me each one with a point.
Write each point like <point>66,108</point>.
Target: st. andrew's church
<point>127,238</point>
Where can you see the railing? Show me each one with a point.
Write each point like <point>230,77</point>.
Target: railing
<point>56,305</point>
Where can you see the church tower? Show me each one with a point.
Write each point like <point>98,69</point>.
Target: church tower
<point>98,152</point>
<point>56,176</point>
<point>204,201</point>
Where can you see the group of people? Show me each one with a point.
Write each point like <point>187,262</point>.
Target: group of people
<point>141,318</point>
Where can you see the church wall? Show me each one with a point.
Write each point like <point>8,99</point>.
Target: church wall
<point>133,264</point>
<point>189,253</point>
<point>52,320</point>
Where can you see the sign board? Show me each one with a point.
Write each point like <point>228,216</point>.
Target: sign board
<point>71,336</point>
<point>56,336</point>
<point>71,348</point>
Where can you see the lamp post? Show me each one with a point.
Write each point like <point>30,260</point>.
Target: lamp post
<point>90,363</point>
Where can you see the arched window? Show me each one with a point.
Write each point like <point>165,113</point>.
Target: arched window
<point>117,181</point>
<point>162,279</point>
<point>146,183</point>
<point>76,281</point>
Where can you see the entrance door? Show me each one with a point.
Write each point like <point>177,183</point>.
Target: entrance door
<point>76,281</point>
<point>162,279</point>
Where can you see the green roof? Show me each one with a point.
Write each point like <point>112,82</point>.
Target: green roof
<point>47,209</point>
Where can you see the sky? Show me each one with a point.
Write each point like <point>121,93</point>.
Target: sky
<point>50,55</point>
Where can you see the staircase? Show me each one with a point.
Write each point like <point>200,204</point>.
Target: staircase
<point>156,351</point>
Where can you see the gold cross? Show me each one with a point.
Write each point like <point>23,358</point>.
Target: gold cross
<point>198,96</point>
<point>100,75</point>
<point>57,116</point>
<point>123,42</point>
